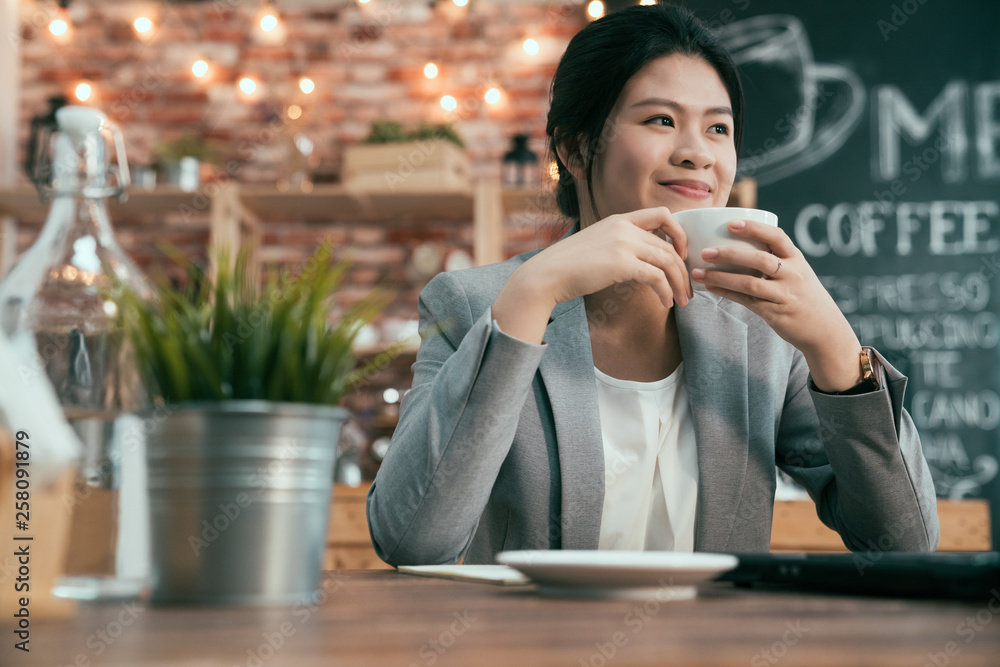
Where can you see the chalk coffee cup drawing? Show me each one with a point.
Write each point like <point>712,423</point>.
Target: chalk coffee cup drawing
<point>707,228</point>
<point>800,112</point>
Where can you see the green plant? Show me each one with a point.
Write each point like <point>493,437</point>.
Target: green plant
<point>388,131</point>
<point>228,338</point>
<point>189,145</point>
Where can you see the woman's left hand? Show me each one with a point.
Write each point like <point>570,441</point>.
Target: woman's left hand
<point>786,293</point>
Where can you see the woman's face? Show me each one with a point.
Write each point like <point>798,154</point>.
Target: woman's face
<point>668,141</point>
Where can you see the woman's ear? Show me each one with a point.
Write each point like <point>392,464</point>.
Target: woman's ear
<point>570,154</point>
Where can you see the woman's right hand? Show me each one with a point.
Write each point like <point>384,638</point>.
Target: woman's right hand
<point>617,249</point>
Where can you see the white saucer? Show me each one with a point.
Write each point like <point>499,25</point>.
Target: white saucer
<point>593,573</point>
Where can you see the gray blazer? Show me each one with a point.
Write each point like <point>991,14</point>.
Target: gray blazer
<point>499,443</point>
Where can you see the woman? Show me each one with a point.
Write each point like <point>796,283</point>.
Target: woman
<point>585,397</point>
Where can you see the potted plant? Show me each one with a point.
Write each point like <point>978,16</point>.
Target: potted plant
<point>241,448</point>
<point>181,160</point>
<point>391,158</point>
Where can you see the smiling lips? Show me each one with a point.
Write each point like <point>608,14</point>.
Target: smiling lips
<point>691,189</point>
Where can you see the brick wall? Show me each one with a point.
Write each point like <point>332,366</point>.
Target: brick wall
<point>367,64</point>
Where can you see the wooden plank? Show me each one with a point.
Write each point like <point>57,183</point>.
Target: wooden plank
<point>488,237</point>
<point>23,203</point>
<point>348,523</point>
<point>338,203</point>
<point>965,526</point>
<point>349,544</point>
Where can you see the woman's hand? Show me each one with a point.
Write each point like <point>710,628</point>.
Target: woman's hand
<point>617,249</point>
<point>788,295</point>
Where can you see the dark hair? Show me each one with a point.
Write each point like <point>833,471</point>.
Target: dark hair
<point>598,63</point>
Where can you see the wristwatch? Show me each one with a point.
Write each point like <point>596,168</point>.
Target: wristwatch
<point>869,382</point>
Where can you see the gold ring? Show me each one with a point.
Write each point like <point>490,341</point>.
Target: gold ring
<point>773,274</point>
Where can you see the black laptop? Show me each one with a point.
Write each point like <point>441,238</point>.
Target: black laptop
<point>961,575</point>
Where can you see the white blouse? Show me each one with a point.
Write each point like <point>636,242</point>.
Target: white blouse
<point>650,464</point>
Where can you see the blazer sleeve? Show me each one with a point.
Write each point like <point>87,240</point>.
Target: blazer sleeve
<point>860,459</point>
<point>456,426</point>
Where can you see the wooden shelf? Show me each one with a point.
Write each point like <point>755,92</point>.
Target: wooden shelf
<point>23,203</point>
<point>336,202</point>
<point>236,212</point>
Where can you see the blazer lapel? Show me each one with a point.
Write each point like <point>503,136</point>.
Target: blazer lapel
<point>714,347</point>
<point>568,375</point>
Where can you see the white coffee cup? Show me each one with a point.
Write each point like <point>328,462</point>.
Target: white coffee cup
<point>707,228</point>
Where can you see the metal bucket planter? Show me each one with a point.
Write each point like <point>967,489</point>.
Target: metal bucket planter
<point>239,496</point>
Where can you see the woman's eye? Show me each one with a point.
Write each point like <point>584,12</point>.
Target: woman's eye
<point>663,121</point>
<point>720,128</point>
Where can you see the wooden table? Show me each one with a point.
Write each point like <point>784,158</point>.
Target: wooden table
<point>385,618</point>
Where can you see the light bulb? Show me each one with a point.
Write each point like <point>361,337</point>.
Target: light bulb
<point>306,85</point>
<point>294,111</point>
<point>200,68</point>
<point>58,27</point>
<point>142,25</point>
<point>248,85</point>
<point>531,47</point>
<point>492,96</point>
<point>268,22</point>
<point>460,3</point>
<point>448,103</point>
<point>595,9</point>
<point>83,91</point>
<point>430,70</point>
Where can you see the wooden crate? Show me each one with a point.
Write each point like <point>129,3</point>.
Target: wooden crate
<point>48,522</point>
<point>349,546</point>
<point>408,166</point>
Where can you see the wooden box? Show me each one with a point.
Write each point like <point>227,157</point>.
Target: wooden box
<point>48,525</point>
<point>432,164</point>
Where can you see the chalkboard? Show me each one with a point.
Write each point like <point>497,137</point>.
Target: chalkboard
<point>873,130</point>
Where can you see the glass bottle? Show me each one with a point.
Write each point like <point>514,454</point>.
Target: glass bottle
<point>56,308</point>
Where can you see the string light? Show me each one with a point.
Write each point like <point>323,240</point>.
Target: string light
<point>200,68</point>
<point>272,31</point>
<point>294,112</point>
<point>430,70</point>
<point>648,2</point>
<point>460,3</point>
<point>142,25</point>
<point>268,22</point>
<point>83,91</point>
<point>492,96</point>
<point>248,85</point>
<point>448,103</point>
<point>531,47</point>
<point>306,85</point>
<point>595,9</point>
<point>58,27</point>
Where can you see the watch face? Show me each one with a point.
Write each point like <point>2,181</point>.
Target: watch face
<point>866,365</point>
